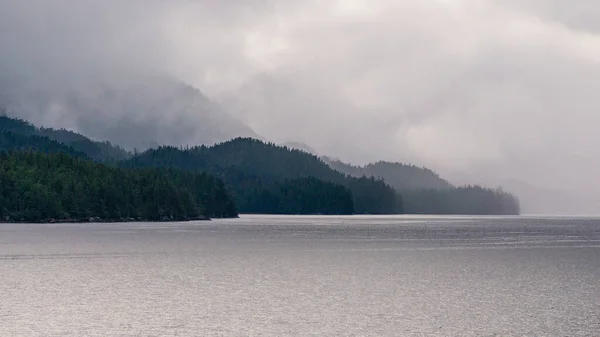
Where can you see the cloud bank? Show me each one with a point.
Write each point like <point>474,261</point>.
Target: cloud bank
<point>493,89</point>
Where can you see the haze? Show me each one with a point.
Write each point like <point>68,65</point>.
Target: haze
<point>501,92</point>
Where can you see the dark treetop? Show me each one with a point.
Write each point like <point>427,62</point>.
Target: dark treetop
<point>242,174</point>
<point>41,187</point>
<point>253,170</point>
<point>425,192</point>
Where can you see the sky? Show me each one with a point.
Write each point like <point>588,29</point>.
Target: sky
<point>490,90</point>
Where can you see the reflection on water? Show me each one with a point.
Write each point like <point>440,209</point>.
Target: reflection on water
<point>303,276</point>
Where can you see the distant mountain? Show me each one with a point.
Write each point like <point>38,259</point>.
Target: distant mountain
<point>133,109</point>
<point>400,176</point>
<point>263,178</point>
<point>19,134</point>
<point>266,178</point>
<point>283,109</point>
<point>100,151</point>
<point>10,141</point>
<point>425,192</point>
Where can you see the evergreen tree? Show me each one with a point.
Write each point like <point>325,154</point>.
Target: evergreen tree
<point>256,172</point>
<point>39,187</point>
<point>99,151</point>
<point>425,192</point>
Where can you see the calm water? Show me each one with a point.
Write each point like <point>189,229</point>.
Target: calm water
<point>303,276</point>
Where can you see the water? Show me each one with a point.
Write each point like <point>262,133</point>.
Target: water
<point>303,276</point>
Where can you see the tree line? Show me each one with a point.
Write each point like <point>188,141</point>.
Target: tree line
<point>59,187</point>
<point>243,174</point>
<point>468,200</point>
<point>425,192</point>
<point>98,151</point>
<point>301,196</point>
<point>253,169</point>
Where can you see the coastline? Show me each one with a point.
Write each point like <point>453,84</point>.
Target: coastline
<point>102,220</point>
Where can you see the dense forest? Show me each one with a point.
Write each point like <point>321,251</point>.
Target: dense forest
<point>98,151</point>
<point>251,169</point>
<point>58,187</point>
<point>43,167</point>
<point>425,192</point>
<point>399,176</point>
<point>302,196</point>
<point>10,141</point>
<point>474,200</point>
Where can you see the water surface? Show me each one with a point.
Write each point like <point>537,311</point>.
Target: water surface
<point>303,276</point>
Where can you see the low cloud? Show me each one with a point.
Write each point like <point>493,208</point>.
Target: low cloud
<point>497,90</point>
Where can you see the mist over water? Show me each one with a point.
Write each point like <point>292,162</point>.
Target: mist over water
<point>299,276</point>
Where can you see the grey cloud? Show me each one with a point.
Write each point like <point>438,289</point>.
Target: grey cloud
<point>458,86</point>
<point>579,14</point>
<point>495,90</point>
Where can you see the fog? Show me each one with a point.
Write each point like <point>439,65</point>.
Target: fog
<point>501,92</point>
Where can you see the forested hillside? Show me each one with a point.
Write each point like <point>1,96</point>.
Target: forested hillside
<point>58,187</point>
<point>250,176</point>
<point>262,178</point>
<point>99,151</point>
<point>10,141</point>
<point>474,200</point>
<point>252,168</point>
<point>302,196</point>
<point>398,175</point>
<point>425,192</point>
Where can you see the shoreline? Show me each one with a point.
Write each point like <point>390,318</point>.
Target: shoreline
<point>102,220</point>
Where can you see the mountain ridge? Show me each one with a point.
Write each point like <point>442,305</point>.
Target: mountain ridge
<point>400,176</point>
<point>137,110</point>
<point>250,167</point>
<point>45,137</point>
<point>425,192</point>
<point>263,177</point>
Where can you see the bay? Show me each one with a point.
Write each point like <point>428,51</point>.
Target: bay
<point>304,276</point>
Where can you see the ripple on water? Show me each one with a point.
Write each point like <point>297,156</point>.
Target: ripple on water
<point>303,276</point>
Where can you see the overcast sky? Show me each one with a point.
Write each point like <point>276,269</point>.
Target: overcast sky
<point>506,89</point>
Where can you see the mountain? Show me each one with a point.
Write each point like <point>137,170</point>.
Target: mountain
<point>10,141</point>
<point>19,134</point>
<point>425,192</point>
<point>252,169</point>
<point>137,110</point>
<point>266,178</point>
<point>284,109</point>
<point>400,176</point>
<point>463,200</point>
<point>99,151</point>
<point>259,188</point>
<point>48,174</point>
